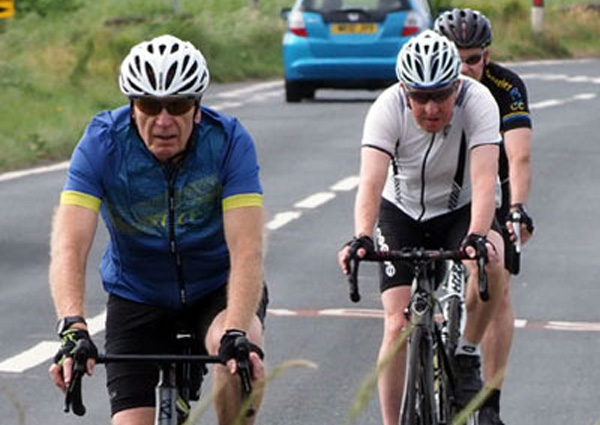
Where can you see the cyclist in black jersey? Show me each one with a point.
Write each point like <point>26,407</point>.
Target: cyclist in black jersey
<point>471,32</point>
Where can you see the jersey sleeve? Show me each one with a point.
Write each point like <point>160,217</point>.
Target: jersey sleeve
<point>241,182</point>
<point>382,125</point>
<point>482,117</point>
<point>514,107</point>
<point>84,182</point>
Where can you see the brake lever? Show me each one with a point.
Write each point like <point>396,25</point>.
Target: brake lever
<point>484,293</point>
<point>244,367</point>
<point>515,218</point>
<point>353,278</point>
<point>73,397</point>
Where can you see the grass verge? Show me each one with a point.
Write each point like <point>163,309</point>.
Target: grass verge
<point>60,58</point>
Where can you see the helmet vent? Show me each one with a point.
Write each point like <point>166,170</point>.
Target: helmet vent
<point>193,69</point>
<point>151,76</point>
<point>171,74</point>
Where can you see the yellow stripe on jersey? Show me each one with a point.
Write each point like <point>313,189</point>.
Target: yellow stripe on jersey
<point>243,200</point>
<point>71,197</point>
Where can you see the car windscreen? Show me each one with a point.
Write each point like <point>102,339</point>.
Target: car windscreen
<point>377,6</point>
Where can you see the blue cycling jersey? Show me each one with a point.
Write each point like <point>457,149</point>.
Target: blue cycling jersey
<point>167,245</point>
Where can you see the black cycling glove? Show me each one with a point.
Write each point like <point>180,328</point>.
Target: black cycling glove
<point>520,211</point>
<point>234,345</point>
<point>364,242</point>
<point>76,343</point>
<point>478,243</point>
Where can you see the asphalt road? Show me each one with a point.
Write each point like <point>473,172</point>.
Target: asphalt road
<point>309,154</point>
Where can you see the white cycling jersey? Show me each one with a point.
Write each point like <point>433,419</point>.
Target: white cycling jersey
<point>429,172</point>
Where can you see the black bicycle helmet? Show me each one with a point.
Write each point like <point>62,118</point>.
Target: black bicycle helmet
<point>467,28</point>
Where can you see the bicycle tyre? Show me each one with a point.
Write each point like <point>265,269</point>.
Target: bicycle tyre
<point>443,383</point>
<point>418,398</point>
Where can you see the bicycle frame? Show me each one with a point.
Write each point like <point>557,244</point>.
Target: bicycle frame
<point>429,380</point>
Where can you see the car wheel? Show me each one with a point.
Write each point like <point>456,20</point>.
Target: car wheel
<point>293,92</point>
<point>309,93</point>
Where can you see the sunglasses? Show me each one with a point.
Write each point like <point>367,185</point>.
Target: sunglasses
<point>473,59</point>
<point>154,106</point>
<point>437,96</point>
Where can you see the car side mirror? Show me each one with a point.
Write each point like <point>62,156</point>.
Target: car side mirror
<point>285,12</point>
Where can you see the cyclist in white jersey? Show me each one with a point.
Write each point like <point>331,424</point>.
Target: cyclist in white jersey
<point>427,179</point>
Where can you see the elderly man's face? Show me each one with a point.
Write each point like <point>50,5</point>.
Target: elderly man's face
<point>165,124</point>
<point>433,109</point>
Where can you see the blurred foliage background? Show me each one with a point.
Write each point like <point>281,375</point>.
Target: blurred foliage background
<point>59,59</point>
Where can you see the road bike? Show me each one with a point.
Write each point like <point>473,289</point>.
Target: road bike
<point>179,382</point>
<point>435,314</point>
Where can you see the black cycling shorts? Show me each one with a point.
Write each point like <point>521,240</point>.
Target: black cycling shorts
<point>397,230</point>
<point>135,328</point>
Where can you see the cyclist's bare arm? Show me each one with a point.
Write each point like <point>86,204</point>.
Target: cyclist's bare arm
<point>73,232</point>
<point>484,169</point>
<point>517,143</point>
<point>244,235</point>
<point>373,172</point>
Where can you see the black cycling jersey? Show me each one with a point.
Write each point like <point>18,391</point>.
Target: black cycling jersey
<point>511,96</point>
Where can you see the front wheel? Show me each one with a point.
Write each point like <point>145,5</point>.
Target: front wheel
<point>418,401</point>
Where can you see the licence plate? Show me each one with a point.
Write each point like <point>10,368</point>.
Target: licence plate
<point>354,28</point>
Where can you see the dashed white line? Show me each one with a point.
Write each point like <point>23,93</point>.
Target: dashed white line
<point>282,218</point>
<point>315,200</point>
<point>585,96</point>
<point>347,184</point>
<point>546,104</point>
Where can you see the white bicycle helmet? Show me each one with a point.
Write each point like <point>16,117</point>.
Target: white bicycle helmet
<point>164,66</point>
<point>429,60</point>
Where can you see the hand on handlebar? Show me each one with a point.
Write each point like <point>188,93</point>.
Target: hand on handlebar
<point>237,351</point>
<point>77,353</point>
<point>475,246</point>
<point>519,224</point>
<point>357,247</point>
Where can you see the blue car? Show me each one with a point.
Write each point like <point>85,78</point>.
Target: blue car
<point>347,43</point>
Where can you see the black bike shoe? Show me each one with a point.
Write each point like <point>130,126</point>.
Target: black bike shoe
<point>488,416</point>
<point>467,370</point>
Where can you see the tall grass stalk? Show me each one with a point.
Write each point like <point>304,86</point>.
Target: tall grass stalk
<point>205,403</point>
<point>370,382</point>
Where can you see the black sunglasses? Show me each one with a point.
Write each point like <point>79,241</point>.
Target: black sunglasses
<point>154,106</point>
<point>437,96</point>
<point>473,59</point>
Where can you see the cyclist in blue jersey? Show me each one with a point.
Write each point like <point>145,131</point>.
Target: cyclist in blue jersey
<point>178,187</point>
<point>428,171</point>
<point>471,32</point>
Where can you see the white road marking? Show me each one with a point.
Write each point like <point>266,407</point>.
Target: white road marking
<point>585,96</point>
<point>546,104</point>
<point>45,350</point>
<point>345,185</point>
<point>282,218</point>
<point>11,175</point>
<point>315,200</point>
<point>250,89</point>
